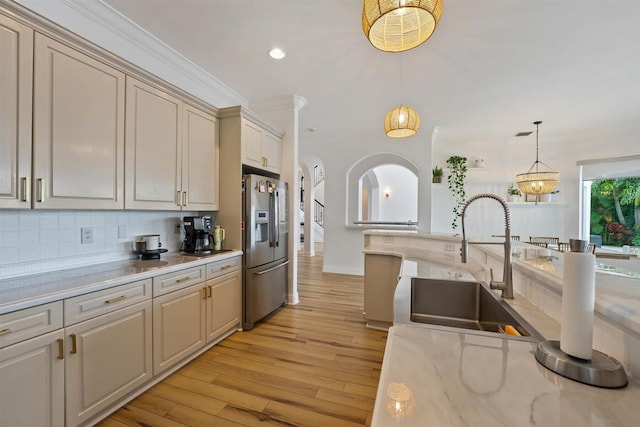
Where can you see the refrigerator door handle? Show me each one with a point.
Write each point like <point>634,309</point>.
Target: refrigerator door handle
<point>260,273</point>
<point>272,214</point>
<point>276,219</point>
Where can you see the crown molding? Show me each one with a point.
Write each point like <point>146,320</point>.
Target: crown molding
<point>103,25</point>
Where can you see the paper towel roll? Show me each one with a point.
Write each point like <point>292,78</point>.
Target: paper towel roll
<point>578,300</point>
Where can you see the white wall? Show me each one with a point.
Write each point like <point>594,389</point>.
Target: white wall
<point>402,204</point>
<point>343,244</point>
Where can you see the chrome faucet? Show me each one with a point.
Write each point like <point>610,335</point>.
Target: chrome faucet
<point>506,286</point>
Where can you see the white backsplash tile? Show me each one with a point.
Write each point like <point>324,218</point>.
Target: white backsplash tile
<point>35,241</point>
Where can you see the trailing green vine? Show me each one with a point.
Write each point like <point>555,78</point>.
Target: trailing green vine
<point>458,172</point>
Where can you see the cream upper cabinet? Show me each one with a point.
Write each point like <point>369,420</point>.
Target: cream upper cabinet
<point>171,152</point>
<point>260,148</point>
<point>16,54</point>
<point>78,130</point>
<point>200,157</point>
<point>153,148</point>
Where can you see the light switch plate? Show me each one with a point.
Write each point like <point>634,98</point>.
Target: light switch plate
<point>122,232</point>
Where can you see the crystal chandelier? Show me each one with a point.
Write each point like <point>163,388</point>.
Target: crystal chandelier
<point>540,178</point>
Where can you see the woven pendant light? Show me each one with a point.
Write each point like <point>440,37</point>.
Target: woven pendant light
<point>401,122</point>
<point>540,178</point>
<point>399,25</point>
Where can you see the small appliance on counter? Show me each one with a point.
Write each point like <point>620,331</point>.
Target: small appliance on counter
<point>148,247</point>
<point>198,238</point>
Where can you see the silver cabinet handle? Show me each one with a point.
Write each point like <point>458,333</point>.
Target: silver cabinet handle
<point>179,198</point>
<point>185,199</point>
<point>40,190</point>
<point>25,190</point>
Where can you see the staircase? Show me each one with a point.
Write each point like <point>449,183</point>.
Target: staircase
<point>318,208</point>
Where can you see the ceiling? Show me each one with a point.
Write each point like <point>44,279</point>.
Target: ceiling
<point>491,68</point>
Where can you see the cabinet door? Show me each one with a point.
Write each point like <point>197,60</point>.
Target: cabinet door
<point>224,307</point>
<point>178,326</point>
<point>200,159</point>
<point>32,382</point>
<point>153,148</point>
<point>252,145</point>
<point>271,148</point>
<point>107,357</point>
<point>78,125</point>
<point>16,54</point>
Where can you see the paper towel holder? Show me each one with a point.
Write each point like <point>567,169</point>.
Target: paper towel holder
<point>601,371</point>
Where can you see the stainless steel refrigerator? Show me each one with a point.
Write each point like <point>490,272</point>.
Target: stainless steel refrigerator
<point>266,237</point>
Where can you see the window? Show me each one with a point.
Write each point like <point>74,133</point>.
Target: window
<point>611,201</point>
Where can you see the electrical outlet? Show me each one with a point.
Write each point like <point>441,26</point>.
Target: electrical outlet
<point>449,247</point>
<point>122,232</point>
<point>178,228</point>
<point>86,235</point>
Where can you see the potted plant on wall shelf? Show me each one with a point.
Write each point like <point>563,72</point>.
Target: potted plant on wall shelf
<point>437,175</point>
<point>458,168</point>
<point>514,193</point>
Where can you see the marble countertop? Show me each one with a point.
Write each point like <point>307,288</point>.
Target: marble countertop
<point>433,377</point>
<point>441,376</point>
<point>33,290</point>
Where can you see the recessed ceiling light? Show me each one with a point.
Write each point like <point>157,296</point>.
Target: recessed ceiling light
<point>276,53</point>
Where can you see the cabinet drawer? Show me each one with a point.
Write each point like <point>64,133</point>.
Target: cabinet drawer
<point>87,306</point>
<point>177,280</point>
<point>30,322</point>
<point>225,266</point>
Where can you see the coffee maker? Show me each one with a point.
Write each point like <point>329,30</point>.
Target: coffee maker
<point>198,238</point>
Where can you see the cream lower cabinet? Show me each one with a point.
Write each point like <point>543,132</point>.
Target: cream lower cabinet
<point>78,130</point>
<point>178,326</point>
<point>194,315</point>
<point>380,281</point>
<point>109,349</point>
<point>108,357</point>
<point>32,382</point>
<point>223,304</point>
<point>16,54</point>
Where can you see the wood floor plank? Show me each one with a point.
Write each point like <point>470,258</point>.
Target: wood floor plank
<point>312,364</point>
<point>187,398</point>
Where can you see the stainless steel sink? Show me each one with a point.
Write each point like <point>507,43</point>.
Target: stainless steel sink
<point>465,305</point>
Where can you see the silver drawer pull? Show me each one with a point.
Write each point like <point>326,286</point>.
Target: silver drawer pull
<point>5,332</point>
<point>225,267</point>
<point>116,299</point>
<point>184,279</point>
<point>25,190</point>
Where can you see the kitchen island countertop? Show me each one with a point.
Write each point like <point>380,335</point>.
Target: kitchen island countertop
<point>440,376</point>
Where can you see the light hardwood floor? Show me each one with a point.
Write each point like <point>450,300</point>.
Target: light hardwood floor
<point>312,364</point>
